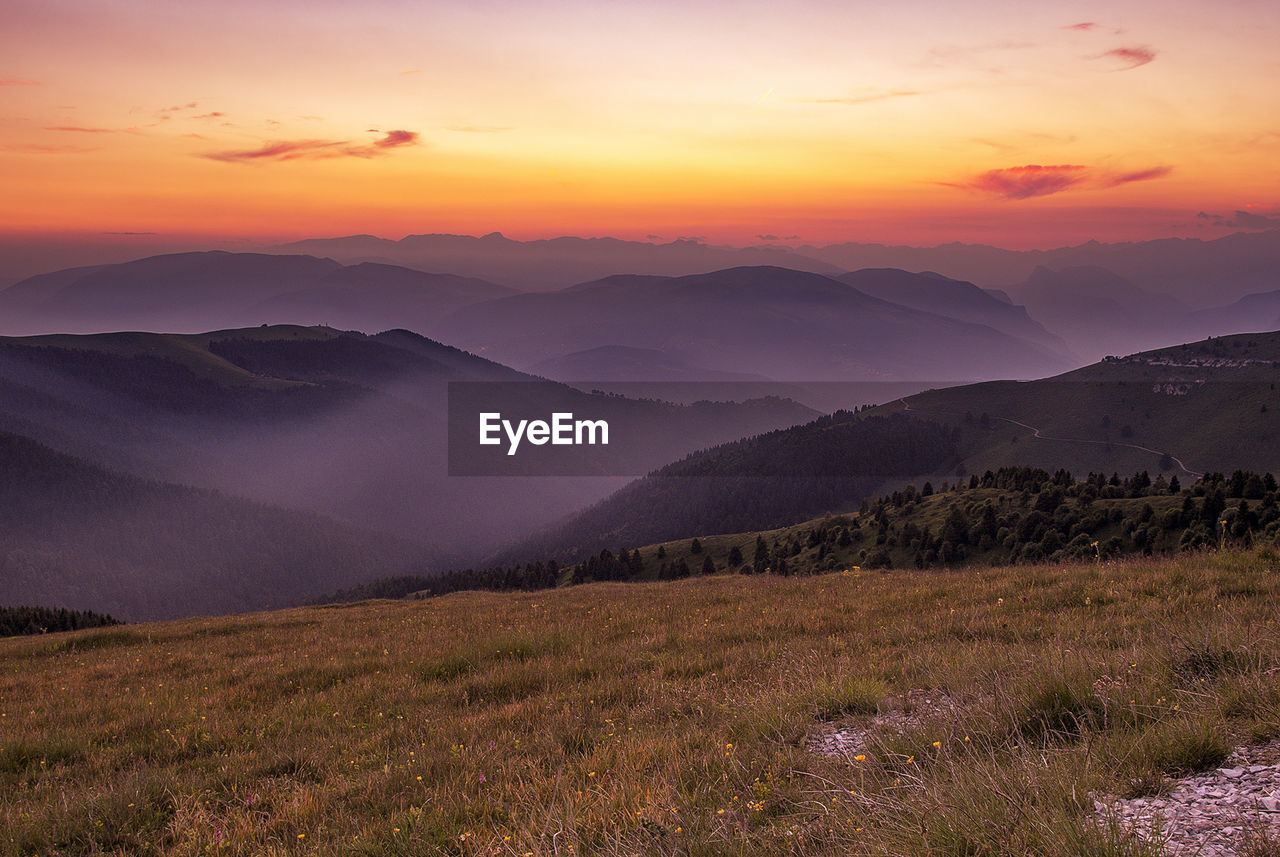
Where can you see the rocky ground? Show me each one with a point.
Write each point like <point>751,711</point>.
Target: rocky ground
<point>1229,812</point>
<point>1232,811</point>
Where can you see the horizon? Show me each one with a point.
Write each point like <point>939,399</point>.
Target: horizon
<point>912,126</point>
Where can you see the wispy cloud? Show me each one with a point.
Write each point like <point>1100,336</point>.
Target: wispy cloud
<point>1116,180</point>
<point>1130,57</point>
<point>216,114</point>
<point>864,97</point>
<point>1083,25</point>
<point>317,150</point>
<point>1026,181</point>
<point>1242,220</point>
<point>79,129</point>
<point>18,81</point>
<point>1034,180</point>
<point>42,149</point>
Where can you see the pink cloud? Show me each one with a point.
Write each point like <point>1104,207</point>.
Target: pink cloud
<point>17,81</point>
<point>1138,176</point>
<point>1083,25</point>
<point>1131,57</point>
<point>1027,181</point>
<point>317,150</point>
<point>1036,180</point>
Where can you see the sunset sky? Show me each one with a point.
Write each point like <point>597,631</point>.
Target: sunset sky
<point>1021,124</point>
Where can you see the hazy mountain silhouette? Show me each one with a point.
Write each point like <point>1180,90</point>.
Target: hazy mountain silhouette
<point>623,363</point>
<point>956,299</point>
<point>1099,312</point>
<point>776,322</point>
<point>1256,312</point>
<point>77,535</point>
<point>1208,405</point>
<point>551,263</point>
<point>340,424</point>
<point>190,292</point>
<point>1197,272</point>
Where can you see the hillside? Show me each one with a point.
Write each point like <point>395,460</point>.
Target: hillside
<point>339,424</point>
<point>778,477</point>
<point>191,292</point>
<point>769,321</point>
<point>956,299</point>
<point>908,712</point>
<point>1210,405</point>
<point>75,535</point>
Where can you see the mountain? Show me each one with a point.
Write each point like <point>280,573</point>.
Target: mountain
<point>1099,312</point>
<point>776,322</point>
<point>189,292</point>
<point>551,263</point>
<point>76,535</point>
<point>1197,272</point>
<point>761,482</point>
<point>1258,311</point>
<point>1184,410</point>
<point>956,299</point>
<point>622,363</point>
<point>1181,411</point>
<point>339,424</point>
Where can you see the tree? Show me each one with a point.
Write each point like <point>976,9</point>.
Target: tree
<point>695,547</point>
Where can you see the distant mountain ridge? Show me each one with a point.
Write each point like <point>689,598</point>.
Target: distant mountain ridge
<point>333,423</point>
<point>774,322</point>
<point>192,292</point>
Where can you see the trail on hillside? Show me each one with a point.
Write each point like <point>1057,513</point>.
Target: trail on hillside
<point>1038,435</point>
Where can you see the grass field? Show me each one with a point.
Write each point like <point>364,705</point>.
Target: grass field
<point>648,718</point>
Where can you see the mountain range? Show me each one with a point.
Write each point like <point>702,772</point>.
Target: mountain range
<point>341,425</point>
<point>1208,406</point>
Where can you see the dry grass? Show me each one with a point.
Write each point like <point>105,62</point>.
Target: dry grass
<point>663,718</point>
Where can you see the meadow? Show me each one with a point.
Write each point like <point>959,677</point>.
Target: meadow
<point>649,718</point>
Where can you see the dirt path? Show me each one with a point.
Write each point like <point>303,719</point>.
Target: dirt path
<point>1036,433</point>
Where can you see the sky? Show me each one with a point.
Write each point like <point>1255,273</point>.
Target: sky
<point>1019,124</point>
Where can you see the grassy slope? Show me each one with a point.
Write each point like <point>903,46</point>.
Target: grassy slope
<point>1218,423</point>
<point>644,718</point>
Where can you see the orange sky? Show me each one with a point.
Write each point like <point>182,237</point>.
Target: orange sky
<point>1019,124</point>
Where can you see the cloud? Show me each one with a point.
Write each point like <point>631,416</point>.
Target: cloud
<point>412,71</point>
<point>1083,25</point>
<point>39,149</point>
<point>1242,220</point>
<point>18,81</point>
<point>1138,176</point>
<point>860,98</point>
<point>217,114</point>
<point>1036,180</point>
<point>1130,57</point>
<point>1027,181</point>
<point>79,129</point>
<point>397,138</point>
<point>317,150</point>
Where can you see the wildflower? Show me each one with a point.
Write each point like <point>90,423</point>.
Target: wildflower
<point>860,757</point>
<point>937,744</point>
